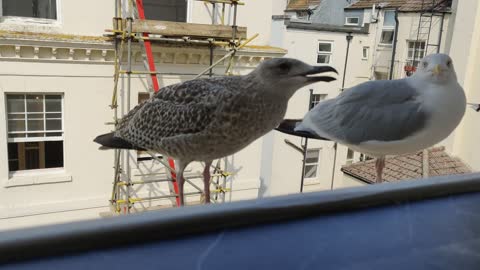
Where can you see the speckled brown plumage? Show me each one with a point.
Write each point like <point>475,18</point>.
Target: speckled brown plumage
<point>207,119</point>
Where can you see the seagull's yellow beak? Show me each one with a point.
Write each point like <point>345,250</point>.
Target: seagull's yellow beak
<point>437,70</point>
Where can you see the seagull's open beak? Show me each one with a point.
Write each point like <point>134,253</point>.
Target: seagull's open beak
<point>436,70</point>
<point>317,70</point>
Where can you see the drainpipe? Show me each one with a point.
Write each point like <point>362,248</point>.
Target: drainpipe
<point>305,146</point>
<point>335,145</point>
<point>349,39</point>
<point>395,40</point>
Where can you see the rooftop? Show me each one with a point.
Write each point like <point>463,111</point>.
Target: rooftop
<point>301,4</point>
<point>404,167</point>
<point>405,5</point>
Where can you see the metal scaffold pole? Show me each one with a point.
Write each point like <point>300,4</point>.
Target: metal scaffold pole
<point>125,34</point>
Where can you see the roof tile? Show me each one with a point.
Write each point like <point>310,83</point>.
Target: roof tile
<point>405,167</point>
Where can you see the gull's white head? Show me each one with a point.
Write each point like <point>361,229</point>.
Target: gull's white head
<point>437,68</point>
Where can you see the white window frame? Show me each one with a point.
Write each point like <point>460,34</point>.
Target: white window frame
<point>31,172</point>
<point>352,24</point>
<point>392,29</point>
<point>325,52</point>
<point>411,58</point>
<point>27,20</point>
<point>319,151</point>
<point>37,139</point>
<point>387,28</point>
<point>366,55</point>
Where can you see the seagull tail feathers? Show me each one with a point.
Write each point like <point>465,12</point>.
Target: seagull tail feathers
<point>109,141</point>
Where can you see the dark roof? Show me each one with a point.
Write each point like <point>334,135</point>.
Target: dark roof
<point>326,27</point>
<point>405,5</point>
<point>406,167</point>
<point>301,4</point>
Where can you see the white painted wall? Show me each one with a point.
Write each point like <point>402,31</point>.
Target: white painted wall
<point>82,189</point>
<point>465,42</point>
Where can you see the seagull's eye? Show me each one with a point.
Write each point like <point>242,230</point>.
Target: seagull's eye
<point>424,64</point>
<point>284,67</point>
<point>449,63</point>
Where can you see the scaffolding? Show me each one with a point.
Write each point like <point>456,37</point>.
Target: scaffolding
<point>430,9</point>
<point>130,26</point>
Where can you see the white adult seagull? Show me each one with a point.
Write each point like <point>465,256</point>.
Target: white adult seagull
<point>394,117</point>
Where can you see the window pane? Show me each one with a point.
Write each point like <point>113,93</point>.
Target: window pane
<point>54,125</point>
<point>387,37</point>
<point>166,10</point>
<point>35,125</point>
<point>16,125</point>
<point>30,8</point>
<point>352,20</point>
<point>312,156</point>
<point>32,155</point>
<point>54,154</point>
<point>17,135</point>
<point>389,19</point>
<point>54,134</point>
<point>12,157</point>
<point>46,9</point>
<point>13,165</point>
<point>350,153</point>
<point>54,115</point>
<point>310,171</point>
<point>16,116</point>
<point>35,135</point>
<point>35,116</point>
<point>323,59</point>
<point>34,103</point>
<point>22,8</point>
<point>12,151</point>
<point>15,103</point>
<point>53,103</point>
<point>324,47</point>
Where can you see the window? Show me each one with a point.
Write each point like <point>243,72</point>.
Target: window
<point>387,36</point>
<point>324,54</point>
<point>380,75</point>
<point>365,53</point>
<point>350,154</point>
<point>44,9</point>
<point>364,157</point>
<point>311,163</point>
<point>316,98</point>
<point>166,10</point>
<point>416,51</point>
<point>352,20</point>
<point>35,131</point>
<point>388,31</point>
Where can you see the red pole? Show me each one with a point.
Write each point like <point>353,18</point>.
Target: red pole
<point>156,87</point>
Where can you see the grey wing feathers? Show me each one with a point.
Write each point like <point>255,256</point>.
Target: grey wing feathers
<point>376,110</point>
<point>178,109</point>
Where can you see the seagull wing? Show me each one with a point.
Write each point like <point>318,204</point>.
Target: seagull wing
<point>185,108</point>
<point>375,110</point>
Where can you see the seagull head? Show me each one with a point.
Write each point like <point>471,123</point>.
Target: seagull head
<point>289,75</point>
<point>437,68</point>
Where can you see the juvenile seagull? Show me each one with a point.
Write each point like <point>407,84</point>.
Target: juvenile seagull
<point>394,117</point>
<point>207,119</point>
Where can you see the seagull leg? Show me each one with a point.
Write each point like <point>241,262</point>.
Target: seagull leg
<point>181,180</point>
<point>379,165</point>
<point>206,181</point>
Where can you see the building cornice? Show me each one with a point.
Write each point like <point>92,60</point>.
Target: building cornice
<point>53,47</point>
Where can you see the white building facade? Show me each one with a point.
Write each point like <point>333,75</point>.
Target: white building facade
<point>56,81</point>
